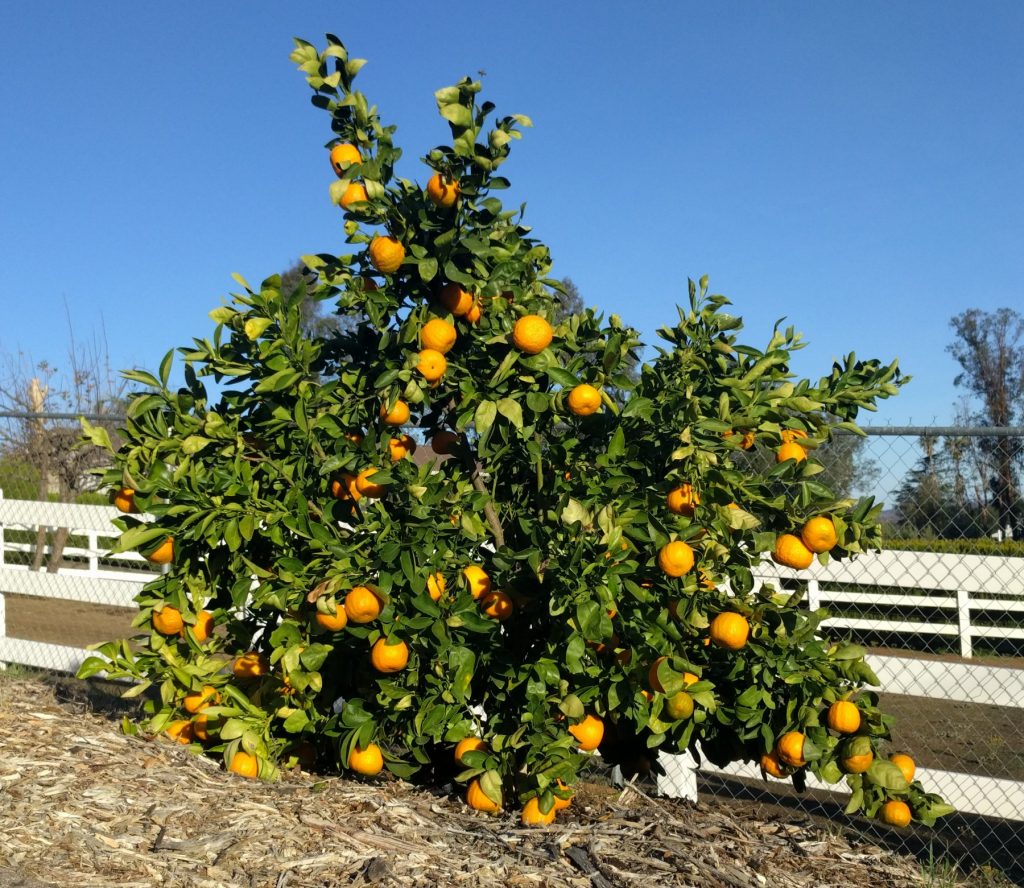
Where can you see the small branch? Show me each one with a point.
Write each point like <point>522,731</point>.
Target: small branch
<point>476,471</point>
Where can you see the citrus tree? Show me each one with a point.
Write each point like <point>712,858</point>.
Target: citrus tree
<point>576,575</point>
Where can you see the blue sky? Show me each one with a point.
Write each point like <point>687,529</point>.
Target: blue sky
<point>856,168</point>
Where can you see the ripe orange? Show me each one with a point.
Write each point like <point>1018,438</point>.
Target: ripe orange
<point>443,441</point>
<point>906,765</point>
<point>844,717</point>
<point>679,705</point>
<point>436,586</point>
<point>533,816</point>
<point>181,730</point>
<point>895,813</point>
<point>401,447</point>
<point>588,733</point>
<point>442,191</point>
<point>789,436</point>
<point>790,749</point>
<point>855,763</point>
<point>202,628</point>
<point>124,500</point>
<point>560,803</point>
<point>164,553</point>
<point>431,364</point>
<point>438,334</point>
<point>245,764</point>
<point>397,415</point>
<point>201,727</point>
<point>362,605</point>
<point>456,300</point>
<point>478,800</point>
<point>343,155</point>
<point>675,558</point>
<point>366,487</point>
<point>369,761</point>
<point>332,622</point>
<point>167,620</point>
<point>584,399</point>
<point>730,630</point>
<point>497,605</point>
<point>771,765</point>
<point>683,500</point>
<point>467,744</point>
<point>345,488</point>
<point>386,254</point>
<point>819,534</point>
<point>389,657</point>
<point>475,313</point>
<point>199,700</point>
<point>479,582</point>
<point>652,676</point>
<point>250,665</point>
<point>532,334</point>
<point>790,450</point>
<point>355,193</point>
<point>689,679</point>
<point>790,551</point>
<point>746,442</point>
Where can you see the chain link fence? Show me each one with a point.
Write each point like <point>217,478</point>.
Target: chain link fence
<point>941,610</point>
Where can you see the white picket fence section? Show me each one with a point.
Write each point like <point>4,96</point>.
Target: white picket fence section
<point>956,583</point>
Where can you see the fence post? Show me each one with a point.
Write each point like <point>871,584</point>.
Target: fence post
<point>94,545</point>
<point>963,611</point>
<point>813,596</point>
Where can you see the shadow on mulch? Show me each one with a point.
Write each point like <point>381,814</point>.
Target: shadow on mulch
<point>966,840</point>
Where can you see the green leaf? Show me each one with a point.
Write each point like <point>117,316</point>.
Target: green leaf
<point>97,435</point>
<point>511,411</point>
<point>486,412</point>
<point>194,443</point>
<point>884,773</point>
<point>574,512</point>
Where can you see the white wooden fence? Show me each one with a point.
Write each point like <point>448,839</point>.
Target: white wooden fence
<point>959,584</point>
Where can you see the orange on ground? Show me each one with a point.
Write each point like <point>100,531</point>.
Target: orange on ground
<point>436,586</point>
<point>790,551</point>
<point>181,730</point>
<point>355,193</point>
<point>332,622</point>
<point>819,534</point>
<point>772,766</point>
<point>164,553</point>
<point>467,744</point>
<point>343,155</point>
<point>438,334</point>
<point>431,364</point>
<point>366,487</point>
<point>386,254</point>
<point>588,733</point>
<point>245,764</point>
<point>533,816</point>
<point>584,399</point>
<point>199,700</point>
<point>369,762</point>
<point>683,500</point>
<point>497,605</point>
<point>442,191</point>
<point>478,800</point>
<point>388,657</point>
<point>401,447</point>
<point>397,415</point>
<point>362,605</point>
<point>790,749</point>
<point>443,441</point>
<point>679,705</point>
<point>905,763</point>
<point>532,334</point>
<point>790,451</point>
<point>456,300</point>
<point>675,558</point>
<point>124,500</point>
<point>479,582</point>
<point>844,717</point>
<point>168,621</point>
<point>730,630</point>
<point>895,813</point>
<point>250,665</point>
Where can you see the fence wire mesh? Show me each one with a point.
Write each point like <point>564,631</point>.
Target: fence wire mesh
<point>941,609</point>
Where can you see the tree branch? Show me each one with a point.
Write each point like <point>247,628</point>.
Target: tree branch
<point>476,471</point>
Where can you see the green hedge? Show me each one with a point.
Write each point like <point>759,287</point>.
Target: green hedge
<point>976,546</point>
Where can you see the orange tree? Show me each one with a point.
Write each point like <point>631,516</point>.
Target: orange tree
<point>577,575</point>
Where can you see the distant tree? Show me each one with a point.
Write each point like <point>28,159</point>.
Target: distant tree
<point>570,301</point>
<point>314,321</point>
<point>989,347</point>
<point>846,467</point>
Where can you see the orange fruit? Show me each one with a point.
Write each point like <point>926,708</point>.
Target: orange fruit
<point>245,764</point>
<point>401,447</point>
<point>790,749</point>
<point>675,558</point>
<point>855,763</point>
<point>844,717</point>
<point>438,334</point>
<point>362,605</point>
<point>332,622</point>
<point>369,284</point>
<point>442,191</point>
<point>895,813</point>
<point>199,700</point>
<point>386,254</point>
<point>443,441</point>
<point>479,582</point>
<point>202,628</point>
<point>906,765</point>
<point>560,803</point>
<point>124,500</point>
<point>250,665</point>
<point>588,733</point>
<point>584,399</point>
<point>532,334</point>
<point>652,676</point>
<point>791,450</point>
<point>746,442</point>
<point>683,500</point>
<point>366,487</point>
<point>497,605</point>
<point>772,766</point>
<point>789,436</point>
<point>355,193</point>
<point>790,551</point>
<point>164,553</point>
<point>181,730</point>
<point>679,705</point>
<point>456,300</point>
<point>397,415</point>
<point>819,534</point>
<point>369,761</point>
<point>689,679</point>
<point>201,727</point>
<point>168,621</point>
<point>467,744</point>
<point>431,364</point>
<point>436,586</point>
<point>533,816</point>
<point>730,630</point>
<point>343,155</point>
<point>475,313</point>
<point>478,800</point>
<point>387,657</point>
<point>345,488</point>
